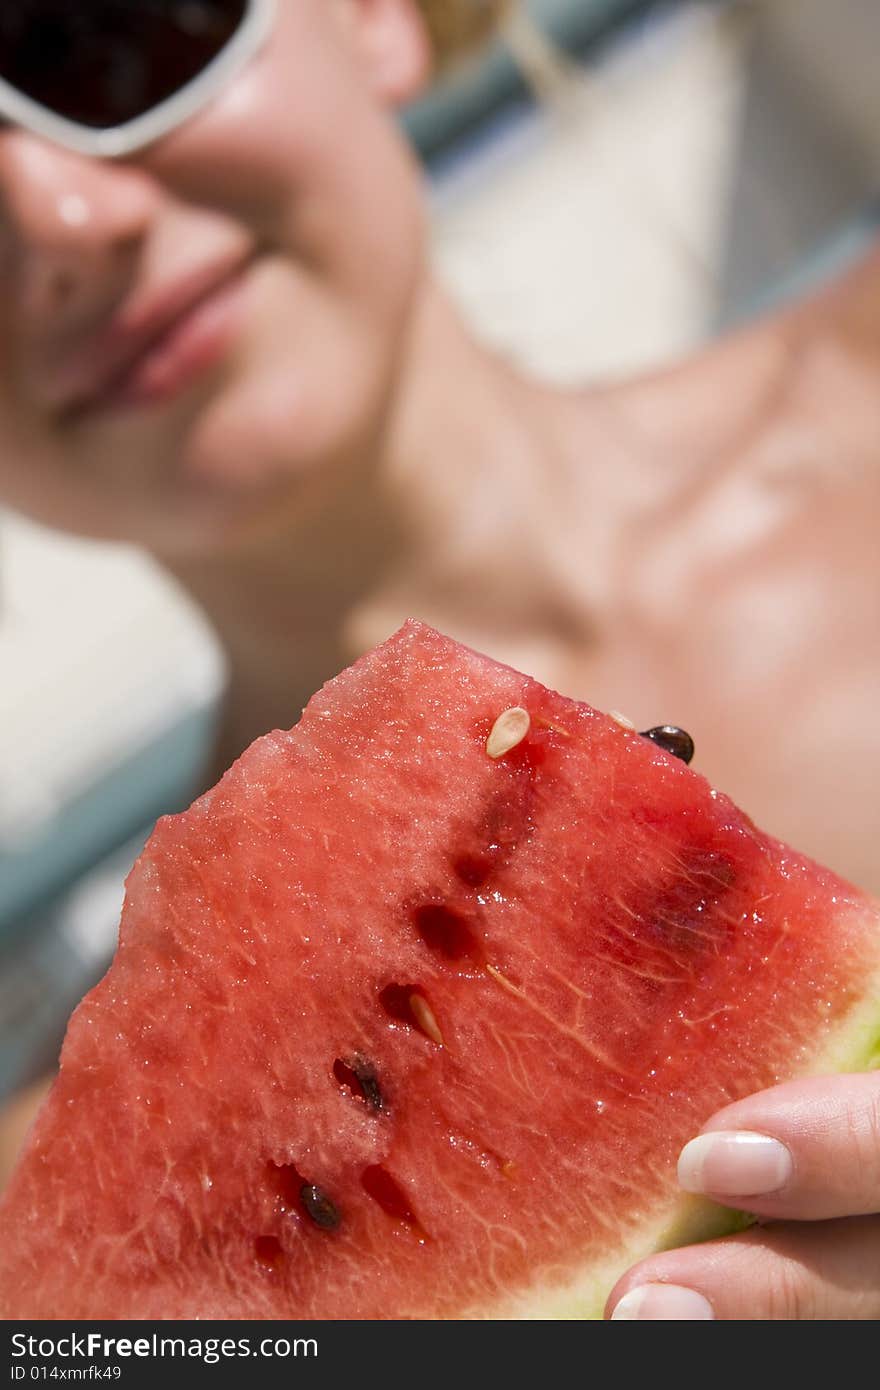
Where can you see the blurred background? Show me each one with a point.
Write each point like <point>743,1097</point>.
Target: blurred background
<point>614,183</point>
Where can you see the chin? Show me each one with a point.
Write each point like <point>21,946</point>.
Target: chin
<point>309,386</point>
<point>287,431</point>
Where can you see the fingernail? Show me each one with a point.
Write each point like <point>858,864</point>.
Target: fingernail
<point>734,1163</point>
<point>664,1301</point>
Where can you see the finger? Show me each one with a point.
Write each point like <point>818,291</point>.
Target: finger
<point>807,1150</point>
<point>786,1272</point>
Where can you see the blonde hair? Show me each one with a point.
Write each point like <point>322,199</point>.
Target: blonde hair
<point>456,27</point>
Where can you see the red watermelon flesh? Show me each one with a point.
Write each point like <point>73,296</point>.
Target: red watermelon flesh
<point>396,1029</point>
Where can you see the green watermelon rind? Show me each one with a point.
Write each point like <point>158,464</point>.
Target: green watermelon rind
<point>854,1046</point>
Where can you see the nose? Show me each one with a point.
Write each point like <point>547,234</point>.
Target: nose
<point>71,229</point>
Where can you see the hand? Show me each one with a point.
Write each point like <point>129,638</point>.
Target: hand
<point>805,1157</point>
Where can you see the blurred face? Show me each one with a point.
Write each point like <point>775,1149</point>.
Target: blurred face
<point>194,339</point>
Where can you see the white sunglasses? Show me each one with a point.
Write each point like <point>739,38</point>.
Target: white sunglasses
<point>108,77</point>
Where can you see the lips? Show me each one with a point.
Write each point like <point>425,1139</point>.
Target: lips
<point>155,346</point>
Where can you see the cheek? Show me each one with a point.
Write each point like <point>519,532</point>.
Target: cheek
<point>298,150</point>
<point>311,382</point>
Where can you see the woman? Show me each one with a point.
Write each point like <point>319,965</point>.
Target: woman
<point>228,348</point>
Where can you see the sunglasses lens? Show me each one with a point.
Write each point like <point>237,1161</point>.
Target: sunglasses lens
<point>102,63</point>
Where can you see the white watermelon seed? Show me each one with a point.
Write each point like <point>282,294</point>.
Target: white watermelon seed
<point>509,729</point>
<point>621,719</point>
<point>425,1017</point>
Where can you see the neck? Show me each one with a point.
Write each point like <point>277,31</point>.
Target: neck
<point>391,535</point>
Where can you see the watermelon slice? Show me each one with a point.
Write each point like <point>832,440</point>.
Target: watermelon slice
<point>412,1013</point>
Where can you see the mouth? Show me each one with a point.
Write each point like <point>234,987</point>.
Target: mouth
<point>177,340</point>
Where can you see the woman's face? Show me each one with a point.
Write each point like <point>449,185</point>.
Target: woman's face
<point>188,337</point>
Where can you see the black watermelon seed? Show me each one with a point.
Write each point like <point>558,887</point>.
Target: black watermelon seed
<point>319,1207</point>
<point>369,1084</point>
<point>672,740</point>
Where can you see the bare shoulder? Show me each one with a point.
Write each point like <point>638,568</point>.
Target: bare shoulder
<point>814,354</point>
<point>745,601</point>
